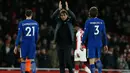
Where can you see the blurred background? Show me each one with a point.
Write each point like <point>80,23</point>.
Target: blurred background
<point>115,13</point>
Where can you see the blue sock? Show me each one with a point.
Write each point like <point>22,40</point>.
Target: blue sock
<point>92,68</point>
<point>99,66</point>
<point>33,67</point>
<point>22,67</point>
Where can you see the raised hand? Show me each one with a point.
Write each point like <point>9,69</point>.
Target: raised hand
<point>60,5</point>
<point>66,4</point>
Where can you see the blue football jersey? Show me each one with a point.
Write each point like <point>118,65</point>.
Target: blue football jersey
<point>95,32</point>
<point>28,31</point>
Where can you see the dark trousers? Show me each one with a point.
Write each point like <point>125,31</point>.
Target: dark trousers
<point>64,55</point>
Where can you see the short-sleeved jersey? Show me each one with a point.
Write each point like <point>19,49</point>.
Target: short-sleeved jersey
<point>28,29</point>
<point>94,32</point>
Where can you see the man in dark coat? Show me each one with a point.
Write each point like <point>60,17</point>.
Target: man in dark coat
<point>64,36</point>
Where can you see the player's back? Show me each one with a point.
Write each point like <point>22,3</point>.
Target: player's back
<point>29,30</point>
<point>95,31</point>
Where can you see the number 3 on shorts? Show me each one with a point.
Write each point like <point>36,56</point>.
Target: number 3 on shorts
<point>96,30</point>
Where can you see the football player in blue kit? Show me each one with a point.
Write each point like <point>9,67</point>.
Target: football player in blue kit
<point>28,31</point>
<point>95,34</point>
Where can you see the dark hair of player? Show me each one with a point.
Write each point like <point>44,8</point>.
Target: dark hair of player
<point>28,13</point>
<point>93,12</point>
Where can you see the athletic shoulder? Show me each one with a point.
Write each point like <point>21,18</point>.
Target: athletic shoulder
<point>20,23</point>
<point>100,20</point>
<point>36,22</point>
<point>88,20</point>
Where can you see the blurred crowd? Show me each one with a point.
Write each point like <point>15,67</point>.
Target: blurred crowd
<point>116,15</point>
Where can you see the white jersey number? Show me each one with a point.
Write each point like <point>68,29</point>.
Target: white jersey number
<point>29,30</point>
<point>96,30</point>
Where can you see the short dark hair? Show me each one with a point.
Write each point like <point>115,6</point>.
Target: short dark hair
<point>93,11</point>
<point>63,11</point>
<point>28,13</point>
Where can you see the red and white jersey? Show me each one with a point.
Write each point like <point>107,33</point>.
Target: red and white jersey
<point>79,35</point>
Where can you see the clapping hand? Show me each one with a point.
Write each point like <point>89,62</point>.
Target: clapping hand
<point>60,5</point>
<point>66,4</point>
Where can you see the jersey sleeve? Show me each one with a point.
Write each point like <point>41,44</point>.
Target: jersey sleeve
<point>104,34</point>
<point>18,34</point>
<point>37,33</point>
<point>85,32</point>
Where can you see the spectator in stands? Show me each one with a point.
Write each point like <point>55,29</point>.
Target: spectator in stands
<point>109,60</point>
<point>44,29</point>
<point>8,56</point>
<point>117,51</point>
<point>128,59</point>
<point>53,55</point>
<point>44,44</point>
<point>121,62</point>
<point>1,46</point>
<point>43,59</point>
